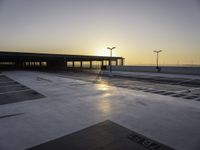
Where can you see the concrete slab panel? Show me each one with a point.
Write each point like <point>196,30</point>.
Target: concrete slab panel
<point>106,135</point>
<point>12,91</point>
<point>19,96</point>
<point>12,88</point>
<point>5,80</point>
<point>2,77</point>
<point>8,84</point>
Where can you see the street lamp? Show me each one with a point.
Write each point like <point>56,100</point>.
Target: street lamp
<point>157,52</point>
<point>110,57</point>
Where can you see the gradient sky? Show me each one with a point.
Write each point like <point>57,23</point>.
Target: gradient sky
<point>135,27</point>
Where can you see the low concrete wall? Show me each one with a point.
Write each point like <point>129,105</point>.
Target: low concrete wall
<point>164,69</point>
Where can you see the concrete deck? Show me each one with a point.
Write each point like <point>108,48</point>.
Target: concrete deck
<point>70,105</point>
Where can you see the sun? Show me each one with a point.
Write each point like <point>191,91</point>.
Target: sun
<point>102,52</point>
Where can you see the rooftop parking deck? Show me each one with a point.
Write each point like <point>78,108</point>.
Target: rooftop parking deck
<point>75,108</point>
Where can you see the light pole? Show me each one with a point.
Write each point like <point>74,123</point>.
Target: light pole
<point>157,53</point>
<point>110,57</point>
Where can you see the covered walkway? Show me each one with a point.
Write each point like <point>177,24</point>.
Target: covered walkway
<point>56,61</point>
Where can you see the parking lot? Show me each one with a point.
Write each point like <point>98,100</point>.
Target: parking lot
<point>12,91</point>
<point>95,111</point>
<point>174,87</point>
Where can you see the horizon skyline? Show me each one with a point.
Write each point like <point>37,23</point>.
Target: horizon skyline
<point>153,64</point>
<point>135,27</point>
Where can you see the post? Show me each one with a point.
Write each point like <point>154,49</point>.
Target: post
<point>122,61</point>
<point>157,57</point>
<point>81,64</point>
<point>157,60</point>
<point>116,62</point>
<point>90,64</point>
<point>110,62</point>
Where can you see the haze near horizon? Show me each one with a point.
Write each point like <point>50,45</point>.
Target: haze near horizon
<point>135,27</point>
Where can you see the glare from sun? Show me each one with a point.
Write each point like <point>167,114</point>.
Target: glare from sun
<point>102,52</point>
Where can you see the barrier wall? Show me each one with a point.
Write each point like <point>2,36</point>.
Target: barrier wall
<point>164,69</point>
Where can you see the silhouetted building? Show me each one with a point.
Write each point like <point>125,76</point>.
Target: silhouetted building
<point>21,60</point>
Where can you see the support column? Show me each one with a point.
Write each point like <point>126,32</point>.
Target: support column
<point>90,64</point>
<point>66,64</point>
<point>102,64</point>
<point>123,61</point>
<point>116,62</point>
<point>81,64</point>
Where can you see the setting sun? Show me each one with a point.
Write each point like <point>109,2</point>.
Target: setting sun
<point>102,52</point>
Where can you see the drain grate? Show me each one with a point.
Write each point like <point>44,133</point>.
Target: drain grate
<point>146,142</point>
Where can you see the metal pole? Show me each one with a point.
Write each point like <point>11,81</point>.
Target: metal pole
<point>157,59</point>
<point>157,54</point>
<point>111,57</point>
<point>110,60</point>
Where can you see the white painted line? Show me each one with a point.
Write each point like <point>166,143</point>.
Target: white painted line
<point>17,91</point>
<point>7,82</point>
<point>12,85</point>
<point>184,81</point>
<point>42,79</point>
<point>188,90</point>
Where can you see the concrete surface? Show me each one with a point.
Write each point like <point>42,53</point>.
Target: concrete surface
<point>164,69</point>
<point>105,135</point>
<point>71,105</point>
<point>13,92</point>
<point>183,86</point>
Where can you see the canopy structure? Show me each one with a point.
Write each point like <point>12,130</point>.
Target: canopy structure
<point>59,61</point>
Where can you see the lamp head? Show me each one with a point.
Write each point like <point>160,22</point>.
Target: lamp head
<point>111,48</point>
<point>157,51</point>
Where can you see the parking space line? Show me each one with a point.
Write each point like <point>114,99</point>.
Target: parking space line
<point>11,85</point>
<point>187,80</point>
<point>188,90</point>
<point>16,91</point>
<point>7,82</point>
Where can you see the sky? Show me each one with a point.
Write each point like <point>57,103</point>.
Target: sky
<point>135,27</point>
